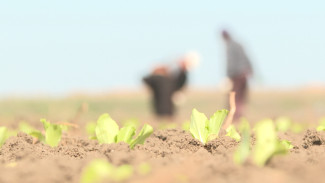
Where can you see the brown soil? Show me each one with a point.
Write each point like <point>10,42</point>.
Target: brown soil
<point>173,154</point>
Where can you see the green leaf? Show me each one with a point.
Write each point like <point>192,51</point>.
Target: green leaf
<point>267,143</point>
<point>283,124</point>
<point>297,128</point>
<point>106,129</point>
<point>125,134</point>
<point>321,126</point>
<point>122,173</point>
<point>90,129</point>
<point>199,126</point>
<point>145,132</point>
<point>46,124</point>
<point>3,135</point>
<point>132,122</point>
<point>53,135</point>
<point>242,152</point>
<point>232,133</point>
<point>96,171</point>
<point>144,168</point>
<point>101,170</point>
<point>26,128</point>
<point>287,144</point>
<point>38,135</point>
<point>186,126</point>
<point>216,121</point>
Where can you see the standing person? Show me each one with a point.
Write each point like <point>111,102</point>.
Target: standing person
<point>164,82</point>
<point>239,69</point>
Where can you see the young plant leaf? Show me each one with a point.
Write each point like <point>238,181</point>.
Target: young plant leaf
<point>26,128</point>
<point>91,130</point>
<point>287,144</point>
<point>216,122</point>
<point>122,173</point>
<point>3,135</point>
<point>38,135</point>
<point>106,129</point>
<point>297,127</point>
<point>132,122</point>
<point>321,126</point>
<point>125,134</point>
<point>243,150</point>
<point>46,124</point>
<point>53,133</point>
<point>96,171</point>
<point>267,143</point>
<point>283,124</point>
<point>232,133</point>
<point>145,132</point>
<point>199,126</point>
<point>144,168</point>
<point>101,170</point>
<point>186,126</point>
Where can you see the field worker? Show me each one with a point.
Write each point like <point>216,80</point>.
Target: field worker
<point>164,81</point>
<point>239,69</point>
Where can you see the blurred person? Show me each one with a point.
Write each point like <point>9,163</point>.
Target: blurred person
<point>164,82</point>
<point>239,69</point>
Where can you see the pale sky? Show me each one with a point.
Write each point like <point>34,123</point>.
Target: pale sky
<point>62,46</point>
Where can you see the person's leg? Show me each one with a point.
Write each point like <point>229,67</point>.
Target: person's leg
<point>240,87</point>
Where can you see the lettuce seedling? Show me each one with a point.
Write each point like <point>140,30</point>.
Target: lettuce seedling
<point>107,131</point>
<point>232,133</point>
<point>91,130</point>
<point>205,129</point>
<point>283,124</point>
<point>267,143</point>
<point>101,170</point>
<point>186,126</point>
<point>3,135</point>
<point>53,133</point>
<point>243,150</point>
<point>321,126</point>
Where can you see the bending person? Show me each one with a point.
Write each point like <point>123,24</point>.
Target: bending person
<point>239,69</point>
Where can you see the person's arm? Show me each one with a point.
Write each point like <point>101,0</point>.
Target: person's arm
<point>149,80</point>
<point>180,79</point>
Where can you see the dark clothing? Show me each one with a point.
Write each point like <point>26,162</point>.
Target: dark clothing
<point>163,88</point>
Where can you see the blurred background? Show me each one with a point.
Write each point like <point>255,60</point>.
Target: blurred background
<point>56,56</point>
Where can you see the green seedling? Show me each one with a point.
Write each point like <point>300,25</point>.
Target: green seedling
<point>287,144</point>
<point>101,170</point>
<point>232,133</point>
<point>297,127</point>
<point>267,143</point>
<point>205,129</point>
<point>144,168</point>
<point>243,150</point>
<point>91,130</point>
<point>107,131</point>
<point>186,126</point>
<point>26,128</point>
<point>132,122</point>
<point>283,124</point>
<point>5,133</point>
<point>53,133</point>
<point>321,126</point>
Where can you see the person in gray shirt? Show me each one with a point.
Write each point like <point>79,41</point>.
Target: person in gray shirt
<point>239,69</point>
